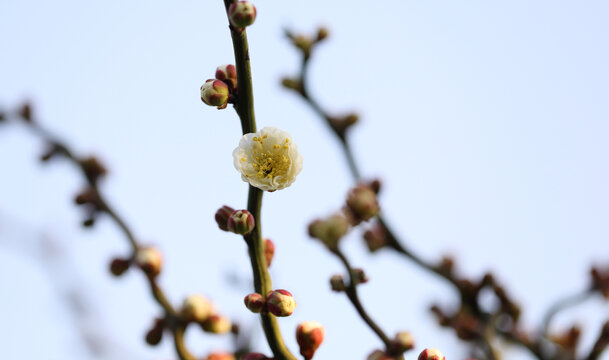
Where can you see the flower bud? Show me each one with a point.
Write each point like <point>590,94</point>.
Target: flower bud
<point>361,201</point>
<point>309,335</point>
<point>25,112</point>
<point>220,356</point>
<point>431,354</point>
<point>155,334</point>
<point>118,266</point>
<point>149,259</point>
<point>93,168</point>
<point>280,303</point>
<point>329,230</point>
<point>403,341</point>
<point>242,14</point>
<point>217,324</point>
<point>269,251</point>
<point>196,308</point>
<point>337,283</point>
<point>375,237</point>
<point>255,356</point>
<point>254,302</point>
<point>214,93</point>
<point>222,216</point>
<point>358,276</point>
<point>241,222</point>
<point>228,74</point>
<point>379,355</point>
<point>322,33</point>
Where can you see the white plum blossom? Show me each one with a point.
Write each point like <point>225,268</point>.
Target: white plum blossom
<point>268,159</point>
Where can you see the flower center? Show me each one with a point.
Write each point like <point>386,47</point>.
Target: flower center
<point>273,162</point>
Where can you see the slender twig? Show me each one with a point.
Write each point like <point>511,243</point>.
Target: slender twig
<point>244,105</point>
<point>104,206</point>
<point>351,291</point>
<point>601,343</point>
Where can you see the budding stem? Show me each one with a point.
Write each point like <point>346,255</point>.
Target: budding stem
<point>244,105</point>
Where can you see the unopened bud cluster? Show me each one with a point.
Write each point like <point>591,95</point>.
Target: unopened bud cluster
<point>197,308</point>
<point>240,222</point>
<point>278,302</point>
<point>330,230</point>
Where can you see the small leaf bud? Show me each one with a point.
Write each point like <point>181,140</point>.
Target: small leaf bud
<point>309,335</point>
<point>431,354</point>
<point>214,93</point>
<point>149,259</point>
<point>280,303</point>
<point>25,112</point>
<point>228,74</point>
<point>330,230</point>
<point>403,341</point>
<point>196,308</point>
<point>93,168</point>
<point>322,33</point>
<point>375,238</point>
<point>254,302</point>
<point>241,222</point>
<point>217,324</point>
<point>358,276</point>
<point>220,356</point>
<point>269,251</point>
<point>362,203</point>
<point>292,84</point>
<point>222,216</point>
<point>337,283</point>
<point>118,266</point>
<point>155,334</point>
<point>242,14</point>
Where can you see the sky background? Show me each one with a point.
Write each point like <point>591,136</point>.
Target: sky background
<point>487,121</point>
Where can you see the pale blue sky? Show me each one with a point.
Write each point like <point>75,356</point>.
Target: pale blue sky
<point>488,121</point>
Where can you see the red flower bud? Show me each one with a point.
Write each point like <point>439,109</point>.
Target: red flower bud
<point>309,335</point>
<point>241,222</point>
<point>431,354</point>
<point>280,303</point>
<point>222,216</point>
<point>254,302</point>
<point>242,14</point>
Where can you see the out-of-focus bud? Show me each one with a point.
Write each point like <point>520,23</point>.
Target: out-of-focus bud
<point>362,203</point>
<point>196,308</point>
<point>322,33</point>
<point>431,354</point>
<point>254,302</point>
<point>217,324</point>
<point>600,280</point>
<point>337,283</point>
<point>292,84</point>
<point>155,334</point>
<point>303,43</point>
<point>375,185</point>
<point>242,14</point>
<point>2,117</point>
<point>269,251</point>
<point>25,112</point>
<point>222,216</point>
<point>228,74</point>
<point>215,93</point>
<point>358,276</point>
<point>375,237</point>
<point>255,356</point>
<point>87,196</point>
<point>309,335</point>
<point>379,355</point>
<point>330,230</point>
<point>118,266</point>
<point>93,168</point>
<point>403,341</point>
<point>221,356</point>
<point>241,222</point>
<point>149,259</point>
<point>341,124</point>
<point>280,302</point>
